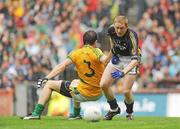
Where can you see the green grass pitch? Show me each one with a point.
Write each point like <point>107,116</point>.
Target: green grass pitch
<point>116,123</point>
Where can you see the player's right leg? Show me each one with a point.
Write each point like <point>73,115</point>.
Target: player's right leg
<point>106,82</point>
<point>51,85</point>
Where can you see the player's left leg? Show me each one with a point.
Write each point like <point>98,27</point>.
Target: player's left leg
<point>128,82</point>
<point>77,97</point>
<point>50,86</point>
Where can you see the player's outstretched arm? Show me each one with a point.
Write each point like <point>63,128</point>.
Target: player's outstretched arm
<point>59,68</point>
<point>105,59</point>
<point>130,66</point>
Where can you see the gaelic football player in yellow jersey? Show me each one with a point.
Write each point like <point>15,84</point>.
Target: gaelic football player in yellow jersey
<point>89,62</point>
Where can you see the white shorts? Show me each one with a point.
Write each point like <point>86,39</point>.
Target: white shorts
<point>124,61</point>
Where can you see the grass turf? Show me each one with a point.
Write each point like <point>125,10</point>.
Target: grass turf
<point>116,123</point>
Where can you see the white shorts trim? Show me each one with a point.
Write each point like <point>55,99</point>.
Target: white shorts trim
<point>124,61</point>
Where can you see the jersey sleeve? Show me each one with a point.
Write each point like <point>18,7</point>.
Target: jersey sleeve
<point>72,56</point>
<point>135,50</point>
<point>98,52</point>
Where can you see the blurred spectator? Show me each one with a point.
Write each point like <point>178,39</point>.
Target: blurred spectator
<point>142,6</point>
<point>5,82</point>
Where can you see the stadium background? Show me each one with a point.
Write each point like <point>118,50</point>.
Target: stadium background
<point>36,35</point>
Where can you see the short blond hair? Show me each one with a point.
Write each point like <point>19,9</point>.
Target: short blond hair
<point>121,18</point>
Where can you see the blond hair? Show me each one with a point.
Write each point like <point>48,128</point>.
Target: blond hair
<point>121,19</point>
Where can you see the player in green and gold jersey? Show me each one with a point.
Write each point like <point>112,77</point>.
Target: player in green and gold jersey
<point>90,63</point>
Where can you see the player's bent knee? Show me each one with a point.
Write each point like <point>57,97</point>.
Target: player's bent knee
<point>103,85</point>
<point>65,89</point>
<point>48,84</point>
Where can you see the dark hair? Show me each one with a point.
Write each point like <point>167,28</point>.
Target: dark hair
<point>89,37</point>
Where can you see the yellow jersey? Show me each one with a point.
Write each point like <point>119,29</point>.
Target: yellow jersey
<point>89,68</point>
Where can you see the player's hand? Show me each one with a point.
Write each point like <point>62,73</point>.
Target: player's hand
<point>111,31</point>
<point>117,74</point>
<point>41,82</point>
<point>115,60</point>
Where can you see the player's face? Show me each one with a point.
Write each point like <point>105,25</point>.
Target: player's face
<point>120,28</point>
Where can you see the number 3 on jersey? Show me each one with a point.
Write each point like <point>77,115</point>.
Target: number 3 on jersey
<point>89,66</point>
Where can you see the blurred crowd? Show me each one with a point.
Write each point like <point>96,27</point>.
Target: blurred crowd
<point>159,38</point>
<point>36,35</point>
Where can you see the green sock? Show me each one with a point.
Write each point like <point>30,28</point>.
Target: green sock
<point>76,111</point>
<point>38,110</point>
